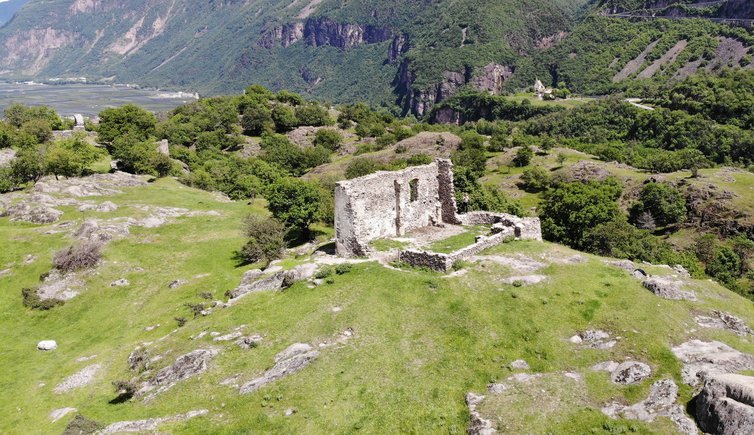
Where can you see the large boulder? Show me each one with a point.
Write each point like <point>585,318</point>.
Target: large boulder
<point>668,288</point>
<point>725,405</point>
<point>47,345</point>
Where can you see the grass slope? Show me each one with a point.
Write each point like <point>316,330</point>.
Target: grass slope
<point>422,341</point>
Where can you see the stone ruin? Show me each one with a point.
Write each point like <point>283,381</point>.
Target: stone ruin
<point>391,204</point>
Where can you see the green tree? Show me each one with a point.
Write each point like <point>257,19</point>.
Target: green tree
<point>328,138</point>
<point>295,202</point>
<point>28,166</point>
<point>266,240</point>
<point>257,120</point>
<point>663,202</point>
<point>523,156</point>
<point>284,118</point>
<point>571,209</point>
<point>70,157</point>
<point>313,115</point>
<point>128,120</point>
<point>39,129</point>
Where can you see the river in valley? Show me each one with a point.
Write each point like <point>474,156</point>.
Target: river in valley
<point>89,99</point>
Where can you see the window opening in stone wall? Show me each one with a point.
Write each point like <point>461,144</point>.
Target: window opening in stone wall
<point>414,186</point>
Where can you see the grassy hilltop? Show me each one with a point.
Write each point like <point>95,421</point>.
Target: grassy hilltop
<point>170,320</point>
<point>421,341</point>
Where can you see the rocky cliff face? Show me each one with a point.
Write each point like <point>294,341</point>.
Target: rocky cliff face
<point>323,31</point>
<point>490,78</point>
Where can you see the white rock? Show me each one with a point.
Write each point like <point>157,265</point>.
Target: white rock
<point>519,364</point>
<point>47,345</point>
<point>57,414</point>
<point>576,339</point>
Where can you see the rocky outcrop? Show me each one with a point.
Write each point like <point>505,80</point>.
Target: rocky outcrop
<point>149,425</point>
<point>255,281</point>
<point>660,403</point>
<point>292,360</point>
<point>324,31</point>
<point>398,47</point>
<point>722,320</point>
<point>477,424</point>
<point>725,405</point>
<point>78,379</point>
<point>420,101</point>
<point>668,288</point>
<point>702,358</point>
<point>186,366</point>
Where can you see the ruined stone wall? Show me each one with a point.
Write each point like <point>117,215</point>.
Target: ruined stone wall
<point>431,260</point>
<point>389,204</point>
<point>526,228</point>
<point>444,262</point>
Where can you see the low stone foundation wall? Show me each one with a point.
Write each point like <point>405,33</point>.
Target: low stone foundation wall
<point>525,228</point>
<point>504,226</point>
<point>444,262</point>
<point>430,260</point>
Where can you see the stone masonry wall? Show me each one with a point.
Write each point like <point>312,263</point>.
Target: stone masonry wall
<point>444,262</point>
<point>389,204</point>
<point>526,228</point>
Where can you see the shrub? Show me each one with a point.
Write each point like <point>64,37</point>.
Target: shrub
<point>725,265</point>
<point>82,425</point>
<point>328,138</point>
<point>32,300</point>
<point>313,114</point>
<point>125,389</point>
<point>74,258</point>
<point>571,209</point>
<point>536,179</point>
<point>180,321</point>
<point>284,118</point>
<point>419,159</point>
<point>343,269</point>
<point>663,202</point>
<point>266,240</point>
<point>324,272</point>
<point>523,156</point>
<point>256,120</point>
<point>489,198</point>
<point>7,183</point>
<point>359,167</point>
<point>39,129</point>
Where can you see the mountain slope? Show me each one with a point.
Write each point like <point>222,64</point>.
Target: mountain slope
<point>416,51</point>
<point>9,8</point>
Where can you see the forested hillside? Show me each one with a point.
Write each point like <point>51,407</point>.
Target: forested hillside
<point>387,52</point>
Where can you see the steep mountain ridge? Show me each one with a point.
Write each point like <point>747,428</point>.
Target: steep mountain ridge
<point>405,56</point>
<point>416,52</point>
